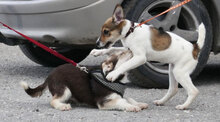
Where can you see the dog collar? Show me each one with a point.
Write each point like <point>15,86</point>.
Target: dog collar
<point>131,29</point>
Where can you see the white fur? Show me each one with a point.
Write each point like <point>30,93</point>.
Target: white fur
<point>178,55</point>
<point>116,102</point>
<point>128,55</point>
<point>59,102</point>
<point>24,85</point>
<point>123,58</point>
<point>201,39</point>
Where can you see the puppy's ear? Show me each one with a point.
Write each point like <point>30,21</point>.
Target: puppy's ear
<point>118,14</point>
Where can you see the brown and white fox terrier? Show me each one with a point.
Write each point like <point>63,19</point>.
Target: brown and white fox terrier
<point>150,44</point>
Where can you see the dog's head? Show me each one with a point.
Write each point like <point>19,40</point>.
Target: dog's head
<point>109,64</point>
<point>112,28</point>
<point>107,67</point>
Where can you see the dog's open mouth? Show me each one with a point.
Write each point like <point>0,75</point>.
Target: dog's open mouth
<point>107,44</point>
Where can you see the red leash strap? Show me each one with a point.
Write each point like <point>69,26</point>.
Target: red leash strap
<point>55,53</point>
<point>173,7</point>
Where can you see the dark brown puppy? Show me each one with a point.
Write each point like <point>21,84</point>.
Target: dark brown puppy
<point>78,83</point>
<point>67,82</point>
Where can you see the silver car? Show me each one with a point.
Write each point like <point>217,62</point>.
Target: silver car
<point>72,26</point>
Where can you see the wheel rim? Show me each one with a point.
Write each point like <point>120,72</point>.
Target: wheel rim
<point>181,21</point>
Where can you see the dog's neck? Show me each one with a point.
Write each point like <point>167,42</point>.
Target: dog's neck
<point>126,29</point>
<point>131,30</point>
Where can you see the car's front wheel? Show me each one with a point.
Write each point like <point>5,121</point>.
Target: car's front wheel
<point>183,21</point>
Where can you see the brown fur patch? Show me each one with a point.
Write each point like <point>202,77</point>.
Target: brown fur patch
<point>113,59</point>
<point>113,28</point>
<point>126,53</point>
<point>111,25</point>
<point>160,40</point>
<point>195,51</point>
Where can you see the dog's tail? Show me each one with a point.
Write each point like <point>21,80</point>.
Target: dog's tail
<point>34,92</point>
<point>202,33</point>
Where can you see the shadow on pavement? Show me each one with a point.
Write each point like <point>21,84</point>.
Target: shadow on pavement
<point>209,75</point>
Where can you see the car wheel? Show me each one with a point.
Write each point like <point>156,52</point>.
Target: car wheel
<point>183,21</point>
<point>44,58</point>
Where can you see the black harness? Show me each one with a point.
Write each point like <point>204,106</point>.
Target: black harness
<point>115,86</point>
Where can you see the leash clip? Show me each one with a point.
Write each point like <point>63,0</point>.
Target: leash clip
<point>82,68</point>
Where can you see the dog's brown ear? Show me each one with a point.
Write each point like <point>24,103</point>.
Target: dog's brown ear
<point>118,14</point>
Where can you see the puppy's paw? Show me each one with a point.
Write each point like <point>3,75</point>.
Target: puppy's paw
<point>133,109</point>
<point>96,52</point>
<point>65,107</point>
<point>158,103</point>
<point>142,105</point>
<point>181,107</point>
<point>112,76</point>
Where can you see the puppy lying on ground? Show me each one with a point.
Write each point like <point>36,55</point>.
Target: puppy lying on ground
<point>150,44</point>
<point>67,83</point>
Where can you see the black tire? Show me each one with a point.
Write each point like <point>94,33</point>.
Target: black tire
<point>44,58</point>
<point>145,76</point>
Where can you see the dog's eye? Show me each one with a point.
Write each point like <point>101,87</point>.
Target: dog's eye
<point>106,32</point>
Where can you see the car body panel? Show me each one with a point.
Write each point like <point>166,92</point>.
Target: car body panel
<point>79,26</point>
<point>41,6</point>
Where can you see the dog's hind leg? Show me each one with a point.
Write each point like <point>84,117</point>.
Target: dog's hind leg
<point>116,102</point>
<point>173,88</point>
<point>182,75</point>
<point>192,92</point>
<point>139,104</point>
<point>58,102</point>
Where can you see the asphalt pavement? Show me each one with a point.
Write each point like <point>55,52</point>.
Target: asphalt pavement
<point>16,105</point>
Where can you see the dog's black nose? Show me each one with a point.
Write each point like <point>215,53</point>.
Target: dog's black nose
<point>97,43</point>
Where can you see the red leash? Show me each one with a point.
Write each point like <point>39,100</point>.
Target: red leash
<point>55,53</point>
<point>171,8</point>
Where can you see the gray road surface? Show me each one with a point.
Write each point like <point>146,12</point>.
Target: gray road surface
<point>16,105</point>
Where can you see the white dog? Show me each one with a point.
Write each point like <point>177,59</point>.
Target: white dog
<point>150,44</point>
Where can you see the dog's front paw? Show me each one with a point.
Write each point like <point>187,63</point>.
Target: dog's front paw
<point>65,107</point>
<point>181,107</point>
<point>142,105</point>
<point>112,76</point>
<point>96,52</point>
<point>133,109</point>
<point>158,102</point>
